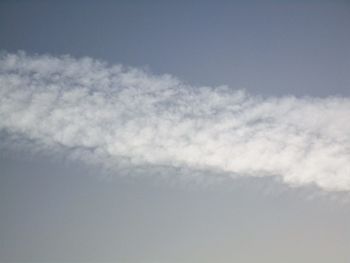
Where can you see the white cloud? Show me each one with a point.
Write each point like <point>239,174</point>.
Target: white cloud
<point>127,119</point>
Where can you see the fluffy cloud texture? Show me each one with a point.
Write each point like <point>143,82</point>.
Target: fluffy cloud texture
<point>126,119</point>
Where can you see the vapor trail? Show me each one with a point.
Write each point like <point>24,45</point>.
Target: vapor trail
<point>125,118</point>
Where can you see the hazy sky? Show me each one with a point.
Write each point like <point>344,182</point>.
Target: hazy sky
<point>107,163</point>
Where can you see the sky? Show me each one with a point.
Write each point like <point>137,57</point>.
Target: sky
<point>189,131</point>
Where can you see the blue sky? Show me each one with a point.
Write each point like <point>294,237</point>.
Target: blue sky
<point>271,48</point>
<point>240,153</point>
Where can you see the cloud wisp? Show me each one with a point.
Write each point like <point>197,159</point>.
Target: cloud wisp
<point>126,119</point>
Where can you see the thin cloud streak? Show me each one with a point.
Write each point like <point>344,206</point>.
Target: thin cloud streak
<point>125,119</point>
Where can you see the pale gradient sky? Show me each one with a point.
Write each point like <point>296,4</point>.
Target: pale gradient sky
<point>55,213</point>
